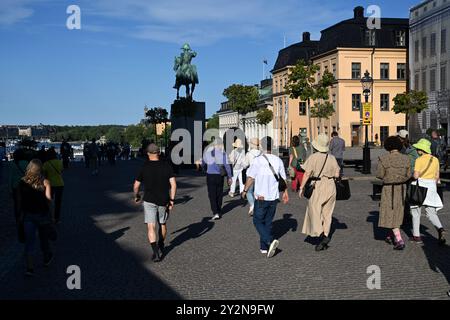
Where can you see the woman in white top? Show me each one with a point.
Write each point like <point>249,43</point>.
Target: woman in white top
<point>249,158</point>
<point>237,160</point>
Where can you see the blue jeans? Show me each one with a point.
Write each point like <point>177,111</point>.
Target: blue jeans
<point>33,224</point>
<point>262,219</point>
<point>251,195</point>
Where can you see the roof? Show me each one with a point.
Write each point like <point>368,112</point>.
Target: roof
<point>290,55</point>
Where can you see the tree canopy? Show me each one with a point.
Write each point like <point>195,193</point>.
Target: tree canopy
<point>264,116</point>
<point>242,98</point>
<point>213,122</point>
<point>410,103</point>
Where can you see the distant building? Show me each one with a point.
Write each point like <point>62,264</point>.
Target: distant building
<point>429,63</point>
<point>20,131</point>
<point>346,49</point>
<point>160,127</point>
<point>248,122</point>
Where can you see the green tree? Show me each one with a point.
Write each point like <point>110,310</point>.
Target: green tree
<point>264,116</point>
<point>411,102</point>
<point>156,116</point>
<point>302,84</point>
<point>114,134</point>
<point>242,99</point>
<point>213,122</point>
<point>134,134</point>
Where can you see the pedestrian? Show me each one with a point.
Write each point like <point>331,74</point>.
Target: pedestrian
<point>35,214</point>
<point>237,158</point>
<point>426,174</point>
<point>394,169</point>
<point>408,149</point>
<point>249,159</point>
<point>53,169</point>
<point>42,154</point>
<point>321,168</point>
<point>17,170</point>
<point>265,173</point>
<point>160,188</point>
<point>438,147</point>
<point>215,163</point>
<point>66,152</point>
<point>337,148</point>
<point>308,147</point>
<point>86,154</point>
<point>297,156</point>
<point>93,152</point>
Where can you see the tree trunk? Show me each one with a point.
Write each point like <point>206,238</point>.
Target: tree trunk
<point>407,121</point>
<point>309,120</point>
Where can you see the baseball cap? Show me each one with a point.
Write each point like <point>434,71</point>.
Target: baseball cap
<point>152,148</point>
<point>403,134</point>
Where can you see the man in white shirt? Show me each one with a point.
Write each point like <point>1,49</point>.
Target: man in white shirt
<point>266,194</point>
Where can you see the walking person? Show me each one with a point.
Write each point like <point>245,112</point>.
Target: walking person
<point>53,169</point>
<point>426,174</point>
<point>17,170</point>
<point>394,169</point>
<point>215,163</point>
<point>297,156</point>
<point>265,173</point>
<point>322,168</point>
<point>160,188</point>
<point>337,148</point>
<point>249,159</point>
<point>66,152</point>
<point>237,158</point>
<point>35,214</point>
<point>93,152</point>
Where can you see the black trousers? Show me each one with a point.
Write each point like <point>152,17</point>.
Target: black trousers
<point>215,192</point>
<point>57,193</point>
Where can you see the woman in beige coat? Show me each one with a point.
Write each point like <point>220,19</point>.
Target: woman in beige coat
<point>394,169</point>
<point>320,207</point>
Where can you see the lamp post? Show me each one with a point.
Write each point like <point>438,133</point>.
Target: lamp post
<point>367,84</point>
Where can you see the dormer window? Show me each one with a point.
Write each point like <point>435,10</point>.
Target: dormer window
<point>400,38</point>
<point>370,38</point>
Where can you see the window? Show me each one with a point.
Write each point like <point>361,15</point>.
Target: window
<point>416,13</point>
<point>370,38</point>
<point>334,70</point>
<point>384,102</point>
<point>356,102</point>
<point>425,9</point>
<point>384,133</point>
<point>433,45</point>
<point>444,78</point>
<point>443,40</point>
<point>424,81</point>
<point>401,71</point>
<point>384,71</point>
<point>400,38</point>
<point>276,86</point>
<point>416,51</point>
<point>424,47</point>
<point>416,82</point>
<point>334,101</point>
<point>433,80</point>
<point>356,70</point>
<point>302,108</point>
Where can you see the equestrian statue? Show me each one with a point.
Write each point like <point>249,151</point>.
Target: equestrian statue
<point>186,73</point>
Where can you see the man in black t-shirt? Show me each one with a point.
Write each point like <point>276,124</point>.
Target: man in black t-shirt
<point>159,195</point>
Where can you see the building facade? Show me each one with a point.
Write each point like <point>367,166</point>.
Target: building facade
<point>347,50</point>
<point>429,63</point>
<point>248,122</point>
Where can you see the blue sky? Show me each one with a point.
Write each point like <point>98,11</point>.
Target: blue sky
<point>122,58</point>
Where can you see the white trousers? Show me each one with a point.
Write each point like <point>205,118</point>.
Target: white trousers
<point>431,214</point>
<point>237,176</point>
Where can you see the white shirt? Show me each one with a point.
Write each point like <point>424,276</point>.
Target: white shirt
<point>265,183</point>
<point>250,156</point>
<point>237,159</point>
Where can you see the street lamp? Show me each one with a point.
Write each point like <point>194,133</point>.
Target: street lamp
<point>367,84</point>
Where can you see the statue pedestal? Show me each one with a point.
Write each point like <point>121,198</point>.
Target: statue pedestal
<point>190,116</point>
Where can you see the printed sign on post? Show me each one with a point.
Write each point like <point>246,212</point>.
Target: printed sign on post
<point>367,114</point>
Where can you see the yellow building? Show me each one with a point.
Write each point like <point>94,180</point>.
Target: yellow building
<point>347,50</point>
<point>160,127</point>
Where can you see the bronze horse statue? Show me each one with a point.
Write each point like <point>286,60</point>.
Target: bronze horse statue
<point>186,73</point>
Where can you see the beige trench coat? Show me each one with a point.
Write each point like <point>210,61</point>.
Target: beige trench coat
<point>321,204</point>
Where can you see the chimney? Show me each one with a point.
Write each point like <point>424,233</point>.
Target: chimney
<point>306,37</point>
<point>358,12</point>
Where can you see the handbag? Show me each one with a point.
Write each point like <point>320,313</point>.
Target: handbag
<point>342,189</point>
<point>415,194</point>
<point>282,186</point>
<point>309,186</point>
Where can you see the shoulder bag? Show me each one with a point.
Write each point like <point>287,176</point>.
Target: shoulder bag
<point>281,183</point>
<point>415,194</point>
<point>309,186</point>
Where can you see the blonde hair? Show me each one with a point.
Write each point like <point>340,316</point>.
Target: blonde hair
<point>33,175</point>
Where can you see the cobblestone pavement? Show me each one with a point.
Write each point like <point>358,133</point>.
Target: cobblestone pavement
<point>103,233</point>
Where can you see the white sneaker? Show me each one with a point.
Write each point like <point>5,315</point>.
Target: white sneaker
<point>263,251</point>
<point>273,247</point>
<point>231,194</point>
<point>216,217</point>
<point>250,211</point>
